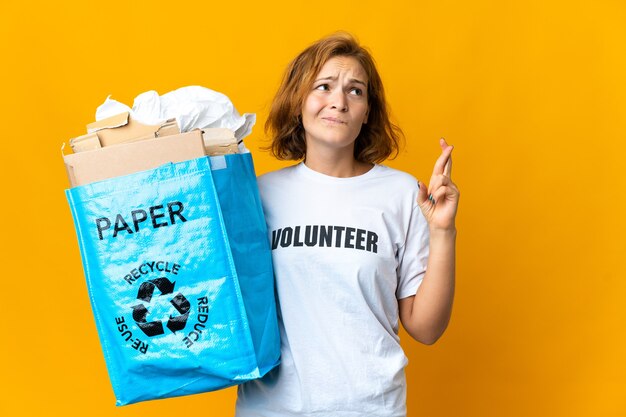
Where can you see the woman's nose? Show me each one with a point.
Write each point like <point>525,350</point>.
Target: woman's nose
<point>339,101</point>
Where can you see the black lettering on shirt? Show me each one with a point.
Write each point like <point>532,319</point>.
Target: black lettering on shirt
<point>285,240</point>
<point>325,236</point>
<point>310,235</point>
<point>296,237</point>
<point>350,237</point>
<point>338,232</point>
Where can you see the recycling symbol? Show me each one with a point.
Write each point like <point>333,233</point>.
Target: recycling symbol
<point>140,312</point>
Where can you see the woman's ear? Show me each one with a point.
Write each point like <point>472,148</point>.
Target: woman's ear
<point>367,113</point>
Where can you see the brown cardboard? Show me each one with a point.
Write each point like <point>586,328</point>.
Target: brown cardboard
<point>219,141</point>
<point>108,162</point>
<point>121,128</point>
<point>85,143</point>
<point>109,123</point>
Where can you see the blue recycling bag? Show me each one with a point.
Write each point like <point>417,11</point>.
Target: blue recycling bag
<point>180,279</point>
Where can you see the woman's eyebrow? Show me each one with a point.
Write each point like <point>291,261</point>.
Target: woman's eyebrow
<point>329,78</point>
<point>352,80</point>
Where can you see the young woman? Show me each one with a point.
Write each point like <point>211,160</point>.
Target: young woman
<point>357,246</point>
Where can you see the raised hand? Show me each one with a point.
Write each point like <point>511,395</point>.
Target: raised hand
<point>440,200</point>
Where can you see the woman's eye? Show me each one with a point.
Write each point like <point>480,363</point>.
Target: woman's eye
<point>322,87</point>
<point>356,91</point>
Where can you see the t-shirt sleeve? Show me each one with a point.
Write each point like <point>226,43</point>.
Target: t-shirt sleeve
<point>413,255</point>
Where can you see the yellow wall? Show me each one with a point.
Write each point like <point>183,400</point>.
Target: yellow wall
<point>531,93</point>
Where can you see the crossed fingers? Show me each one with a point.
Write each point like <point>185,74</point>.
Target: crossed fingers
<point>443,165</point>
<point>441,177</point>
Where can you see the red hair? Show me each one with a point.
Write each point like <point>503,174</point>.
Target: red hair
<point>378,138</point>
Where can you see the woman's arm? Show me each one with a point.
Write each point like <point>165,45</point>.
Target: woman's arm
<point>426,315</point>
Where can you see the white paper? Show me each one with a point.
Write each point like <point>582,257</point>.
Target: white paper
<point>192,107</point>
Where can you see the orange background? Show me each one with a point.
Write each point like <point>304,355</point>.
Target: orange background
<point>532,94</point>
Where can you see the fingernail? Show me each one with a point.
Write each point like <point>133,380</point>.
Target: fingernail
<point>430,197</point>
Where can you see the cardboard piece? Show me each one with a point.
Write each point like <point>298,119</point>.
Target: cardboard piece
<point>219,141</point>
<point>118,129</point>
<point>108,162</point>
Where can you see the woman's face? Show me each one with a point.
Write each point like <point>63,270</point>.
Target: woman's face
<point>337,105</point>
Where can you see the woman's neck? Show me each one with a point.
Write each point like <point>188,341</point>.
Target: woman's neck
<point>336,164</point>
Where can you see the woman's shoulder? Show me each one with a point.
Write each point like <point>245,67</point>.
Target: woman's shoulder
<point>272,177</point>
<point>396,176</point>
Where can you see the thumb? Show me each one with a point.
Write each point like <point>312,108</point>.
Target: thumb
<point>422,196</point>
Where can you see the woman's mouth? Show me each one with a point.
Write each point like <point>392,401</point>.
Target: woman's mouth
<point>333,120</point>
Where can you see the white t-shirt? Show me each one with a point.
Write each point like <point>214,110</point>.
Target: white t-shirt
<point>344,251</point>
